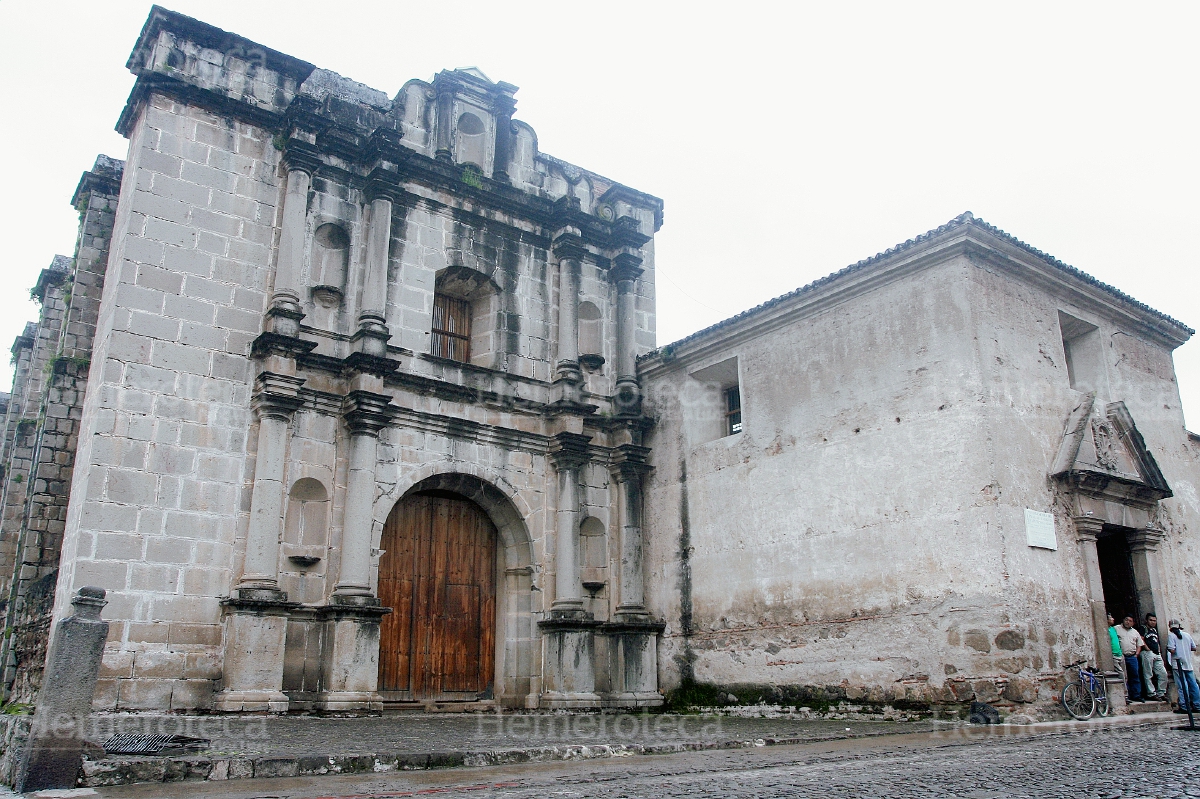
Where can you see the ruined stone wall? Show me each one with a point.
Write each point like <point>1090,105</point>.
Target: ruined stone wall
<point>43,446</point>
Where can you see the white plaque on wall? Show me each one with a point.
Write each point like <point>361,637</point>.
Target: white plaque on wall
<point>1039,529</point>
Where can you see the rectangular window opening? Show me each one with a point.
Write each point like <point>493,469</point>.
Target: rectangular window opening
<point>733,410</point>
<point>451,328</point>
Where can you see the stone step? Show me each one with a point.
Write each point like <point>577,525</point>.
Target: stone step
<point>1138,708</point>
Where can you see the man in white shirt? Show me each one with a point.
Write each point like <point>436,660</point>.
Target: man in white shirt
<point>1180,647</point>
<point>1131,645</point>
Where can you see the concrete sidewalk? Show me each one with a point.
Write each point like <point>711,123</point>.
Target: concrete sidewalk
<point>244,748</point>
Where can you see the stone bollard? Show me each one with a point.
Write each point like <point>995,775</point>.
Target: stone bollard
<point>54,752</point>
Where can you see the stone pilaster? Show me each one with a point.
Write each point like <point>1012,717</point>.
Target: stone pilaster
<point>1087,530</point>
<point>445,120</point>
<point>256,615</point>
<point>373,334</point>
<point>504,106</point>
<point>569,252</point>
<point>626,269</point>
<point>366,413</point>
<point>628,466</point>
<point>285,313</point>
<point>568,454</point>
<point>1147,571</point>
<point>569,674</point>
<point>276,399</point>
<point>350,662</point>
<point>633,634</point>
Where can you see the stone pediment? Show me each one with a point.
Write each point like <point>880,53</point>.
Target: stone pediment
<point>1103,454</point>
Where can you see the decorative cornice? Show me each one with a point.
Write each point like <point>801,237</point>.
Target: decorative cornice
<point>629,462</point>
<point>626,266</point>
<point>277,396</point>
<point>569,451</point>
<point>1147,539</point>
<point>567,244</point>
<point>1087,528</point>
<point>277,344</point>
<point>302,156</point>
<point>366,412</point>
<point>365,363</point>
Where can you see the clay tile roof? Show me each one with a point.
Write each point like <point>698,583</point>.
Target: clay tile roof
<point>966,218</point>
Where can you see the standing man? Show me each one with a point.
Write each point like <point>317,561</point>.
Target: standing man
<point>1131,646</point>
<point>1180,647</point>
<point>1118,658</point>
<point>1154,673</point>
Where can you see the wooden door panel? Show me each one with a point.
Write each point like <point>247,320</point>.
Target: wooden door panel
<point>438,575</point>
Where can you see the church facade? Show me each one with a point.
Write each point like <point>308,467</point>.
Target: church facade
<point>353,402</point>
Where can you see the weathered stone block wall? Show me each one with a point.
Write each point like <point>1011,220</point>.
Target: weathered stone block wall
<point>162,502</point>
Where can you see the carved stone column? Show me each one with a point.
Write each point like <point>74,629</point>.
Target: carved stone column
<point>256,616</point>
<point>350,667</point>
<point>569,676</point>
<point>277,397</point>
<point>445,120</point>
<point>366,414</point>
<point>569,250</point>
<point>633,633</point>
<point>284,314</point>
<point>373,334</point>
<point>1147,574</point>
<point>504,107</point>
<point>626,269</point>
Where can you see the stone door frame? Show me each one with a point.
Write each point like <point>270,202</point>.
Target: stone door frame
<point>518,642</point>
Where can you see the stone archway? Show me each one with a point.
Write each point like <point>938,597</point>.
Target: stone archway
<point>514,635</point>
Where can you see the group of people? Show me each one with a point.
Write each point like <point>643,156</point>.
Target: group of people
<point>1146,663</point>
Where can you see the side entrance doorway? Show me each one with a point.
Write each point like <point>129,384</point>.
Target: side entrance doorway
<point>1121,595</point>
<point>438,574</point>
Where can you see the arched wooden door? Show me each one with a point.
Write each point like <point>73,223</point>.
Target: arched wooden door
<point>438,574</point>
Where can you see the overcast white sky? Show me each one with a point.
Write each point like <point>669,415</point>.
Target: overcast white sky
<point>788,140</point>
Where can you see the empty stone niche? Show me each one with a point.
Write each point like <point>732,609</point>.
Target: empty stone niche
<point>591,336</point>
<point>327,274</point>
<point>593,555</point>
<point>305,541</point>
<point>472,140</point>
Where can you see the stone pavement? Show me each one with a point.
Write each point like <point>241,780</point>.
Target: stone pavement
<point>1124,757</point>
<point>245,747</point>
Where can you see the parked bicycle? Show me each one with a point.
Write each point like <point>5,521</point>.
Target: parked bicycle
<point>1084,695</point>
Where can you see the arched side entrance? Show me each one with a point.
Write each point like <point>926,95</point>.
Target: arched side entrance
<point>456,570</point>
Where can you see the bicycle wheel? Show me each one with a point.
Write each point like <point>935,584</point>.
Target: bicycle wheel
<point>1078,701</point>
<point>1101,695</point>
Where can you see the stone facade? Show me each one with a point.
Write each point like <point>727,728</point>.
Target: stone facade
<point>300,310</point>
<point>863,534</point>
<point>263,388</point>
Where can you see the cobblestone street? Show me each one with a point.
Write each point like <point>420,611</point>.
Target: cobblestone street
<point>1153,760</point>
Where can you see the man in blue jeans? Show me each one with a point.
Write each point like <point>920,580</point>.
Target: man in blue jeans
<point>1131,645</point>
<point>1180,648</point>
